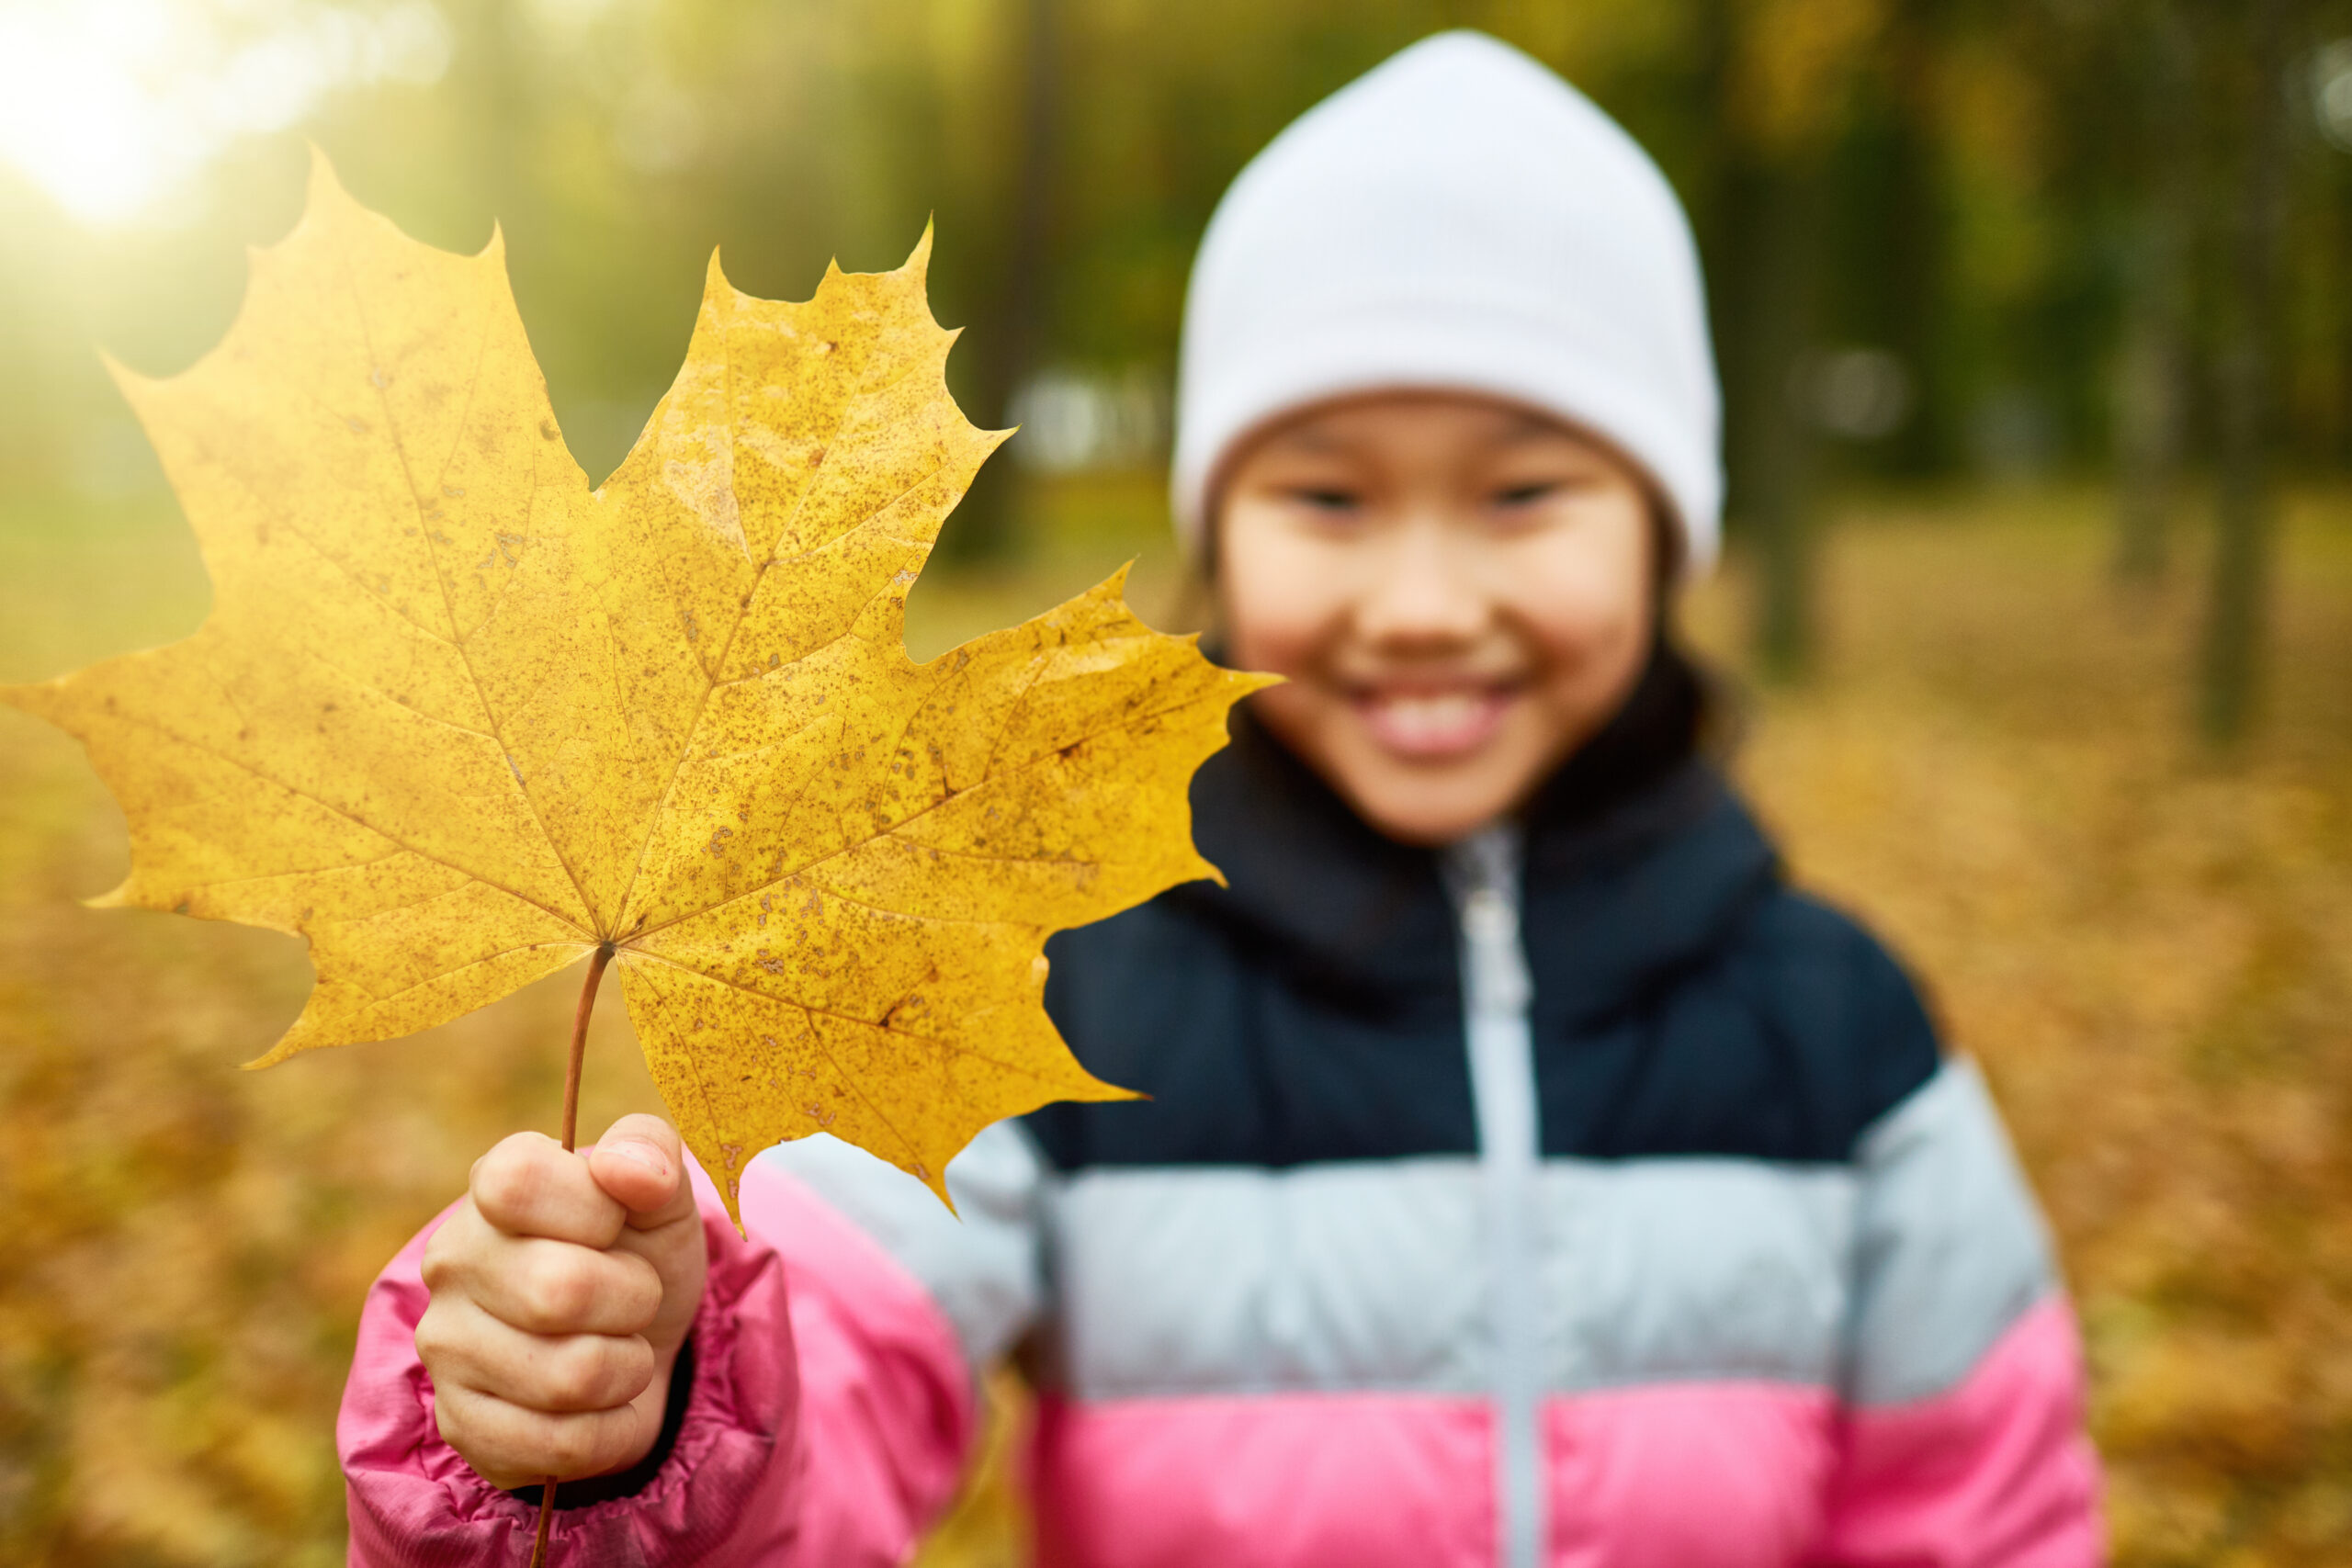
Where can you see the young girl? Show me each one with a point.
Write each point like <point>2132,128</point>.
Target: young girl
<point>1530,1176</point>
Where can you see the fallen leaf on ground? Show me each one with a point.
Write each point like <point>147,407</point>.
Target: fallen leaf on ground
<point>459,720</point>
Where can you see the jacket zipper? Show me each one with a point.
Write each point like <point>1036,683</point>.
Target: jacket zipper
<point>1483,873</point>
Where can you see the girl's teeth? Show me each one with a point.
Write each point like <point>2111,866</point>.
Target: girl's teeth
<point>1436,723</point>
<point>1430,715</point>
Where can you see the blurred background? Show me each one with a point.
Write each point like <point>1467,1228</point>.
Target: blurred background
<point>2038,353</point>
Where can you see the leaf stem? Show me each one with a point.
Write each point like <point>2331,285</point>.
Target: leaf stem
<point>571,1136</point>
<point>580,1043</point>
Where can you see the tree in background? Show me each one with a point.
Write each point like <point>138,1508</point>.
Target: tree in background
<point>2256,88</point>
<point>2151,391</point>
<point>986,521</point>
<point>1991,222</point>
<point>1787,72</point>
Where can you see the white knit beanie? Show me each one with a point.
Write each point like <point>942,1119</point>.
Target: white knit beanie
<point>1459,218</point>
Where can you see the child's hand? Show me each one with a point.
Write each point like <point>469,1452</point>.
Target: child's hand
<point>563,1288</point>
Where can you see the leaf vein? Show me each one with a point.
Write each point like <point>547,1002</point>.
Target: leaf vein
<point>347,815</point>
<point>448,605</point>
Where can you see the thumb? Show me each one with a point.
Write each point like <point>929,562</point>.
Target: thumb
<point>639,1164</point>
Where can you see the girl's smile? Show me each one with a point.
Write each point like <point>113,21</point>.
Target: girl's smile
<point>1432,722</point>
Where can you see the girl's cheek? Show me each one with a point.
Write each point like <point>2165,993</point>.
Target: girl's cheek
<point>1597,631</point>
<point>1590,607</point>
<point>1296,710</point>
<point>1276,647</point>
<point>1592,654</point>
<point>1280,614</point>
<point>1595,664</point>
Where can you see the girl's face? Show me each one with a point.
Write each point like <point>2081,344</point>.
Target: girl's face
<point>1459,591</point>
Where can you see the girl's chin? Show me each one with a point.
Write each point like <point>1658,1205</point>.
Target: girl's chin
<point>1425,728</point>
<point>1422,810</point>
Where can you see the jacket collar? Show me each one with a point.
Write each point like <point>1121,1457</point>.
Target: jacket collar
<point>1634,872</point>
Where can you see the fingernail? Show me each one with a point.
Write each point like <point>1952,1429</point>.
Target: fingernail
<point>639,1152</point>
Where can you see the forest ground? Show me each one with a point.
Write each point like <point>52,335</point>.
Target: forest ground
<point>2148,947</point>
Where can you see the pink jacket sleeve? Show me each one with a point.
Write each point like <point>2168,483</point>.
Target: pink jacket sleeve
<point>1997,1471</point>
<point>853,1352</point>
<point>1963,1443</point>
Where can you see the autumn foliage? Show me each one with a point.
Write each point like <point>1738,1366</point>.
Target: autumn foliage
<point>2144,947</point>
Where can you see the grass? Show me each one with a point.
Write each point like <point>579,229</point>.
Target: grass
<point>2145,945</point>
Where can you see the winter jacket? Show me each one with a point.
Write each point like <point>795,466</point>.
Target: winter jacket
<point>1583,1196</point>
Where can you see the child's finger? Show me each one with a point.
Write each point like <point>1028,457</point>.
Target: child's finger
<point>509,1446</point>
<point>564,1374</point>
<point>527,1185</point>
<point>553,1287</point>
<point>639,1163</point>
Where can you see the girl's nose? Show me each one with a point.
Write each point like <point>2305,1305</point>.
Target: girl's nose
<point>1422,589</point>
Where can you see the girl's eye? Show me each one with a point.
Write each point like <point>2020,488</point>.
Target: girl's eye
<point>1324,500</point>
<point>1528,494</point>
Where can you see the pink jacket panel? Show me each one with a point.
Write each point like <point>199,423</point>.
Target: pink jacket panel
<point>719,1500</point>
<point>1994,1474</point>
<point>1372,1481</point>
<point>1296,1481</point>
<point>1995,1471</point>
<point>1687,1475</point>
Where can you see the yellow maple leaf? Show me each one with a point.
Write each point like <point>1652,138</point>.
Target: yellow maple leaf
<point>460,721</point>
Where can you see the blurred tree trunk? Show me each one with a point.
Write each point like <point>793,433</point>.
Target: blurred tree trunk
<point>984,523</point>
<point>2152,412</point>
<point>1775,258</point>
<point>2237,609</point>
<point>1916,246</point>
<point>1781,114</point>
